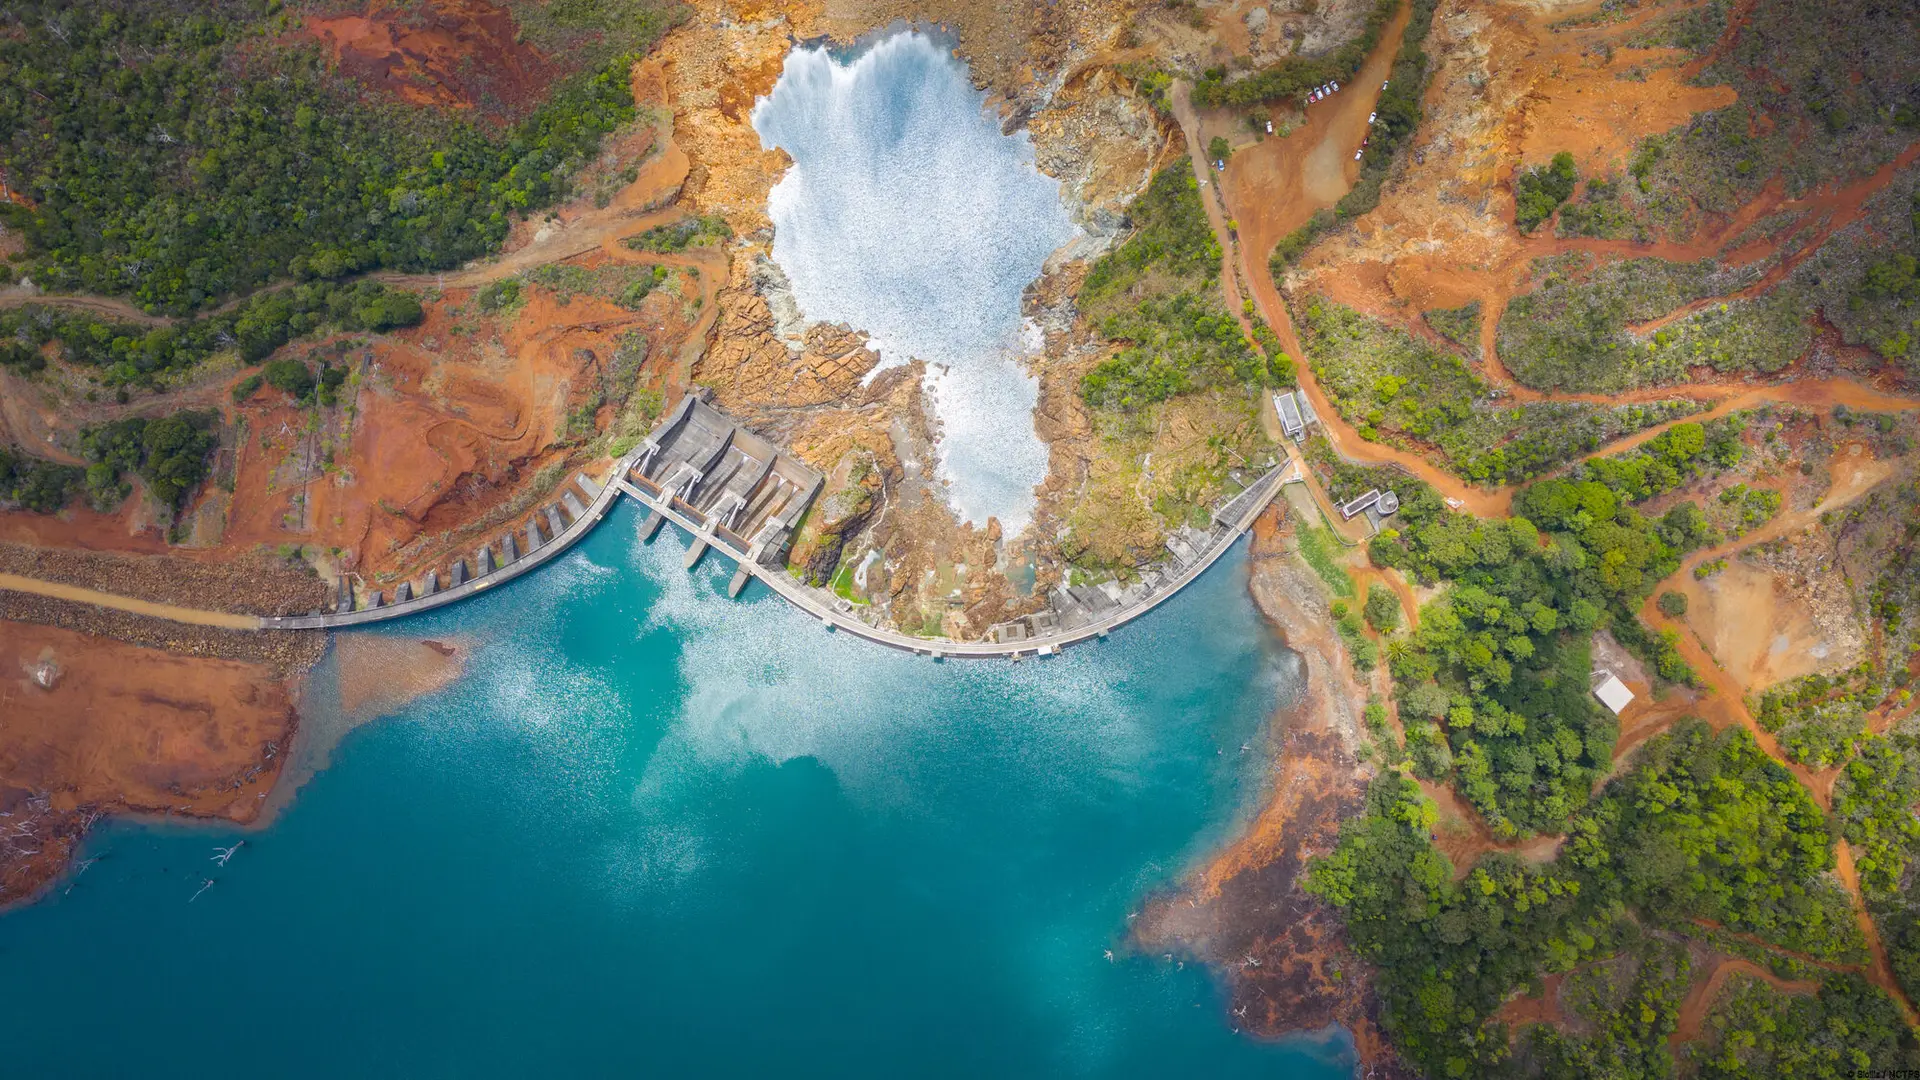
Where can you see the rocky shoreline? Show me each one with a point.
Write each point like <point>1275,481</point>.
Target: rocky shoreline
<point>1282,952</point>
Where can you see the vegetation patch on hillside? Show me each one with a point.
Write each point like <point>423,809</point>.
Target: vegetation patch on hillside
<point>129,354</point>
<point>1539,191</point>
<point>1668,460</point>
<point>170,453</point>
<point>1571,331</point>
<point>1397,388</point>
<point>36,484</point>
<point>1459,325</point>
<point>1881,282</point>
<point>1157,294</point>
<point>700,231</point>
<point>1599,212</point>
<point>1820,99</point>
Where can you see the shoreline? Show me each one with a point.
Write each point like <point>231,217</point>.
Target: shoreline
<point>1281,953</point>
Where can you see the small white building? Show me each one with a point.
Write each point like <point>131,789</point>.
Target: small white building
<point>1291,421</point>
<point>1612,692</point>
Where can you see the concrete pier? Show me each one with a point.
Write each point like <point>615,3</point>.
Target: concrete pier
<point>404,593</point>
<point>432,584</point>
<point>698,549</point>
<point>483,561</point>
<point>554,523</point>
<point>534,539</point>
<point>652,526</point>
<point>740,578</point>
<point>457,575</point>
<point>509,552</point>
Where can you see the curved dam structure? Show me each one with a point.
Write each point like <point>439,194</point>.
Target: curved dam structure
<point>739,495</point>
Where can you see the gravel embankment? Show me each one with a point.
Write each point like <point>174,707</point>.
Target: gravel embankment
<point>252,583</point>
<point>288,653</point>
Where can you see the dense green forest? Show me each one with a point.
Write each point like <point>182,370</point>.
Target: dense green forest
<point>1669,459</point>
<point>1493,684</point>
<point>1158,294</point>
<point>180,157</point>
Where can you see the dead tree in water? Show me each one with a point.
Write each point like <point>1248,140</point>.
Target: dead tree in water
<point>226,853</point>
<point>78,869</point>
<point>205,884</point>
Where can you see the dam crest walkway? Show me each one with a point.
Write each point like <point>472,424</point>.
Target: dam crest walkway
<point>736,493</point>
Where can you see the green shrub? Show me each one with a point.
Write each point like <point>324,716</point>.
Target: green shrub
<point>642,287</point>
<point>498,295</point>
<point>1673,604</point>
<point>1600,213</point>
<point>1539,191</point>
<point>1382,609</point>
<point>698,231</point>
<point>289,376</point>
<point>44,487</point>
<point>21,357</point>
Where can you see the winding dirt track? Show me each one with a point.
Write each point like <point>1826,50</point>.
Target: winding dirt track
<point>1693,1011</point>
<point>170,612</point>
<point>15,296</point>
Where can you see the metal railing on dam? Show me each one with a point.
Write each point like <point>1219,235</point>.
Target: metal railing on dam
<point>736,493</point>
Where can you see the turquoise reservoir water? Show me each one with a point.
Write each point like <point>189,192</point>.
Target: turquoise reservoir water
<point>657,833</point>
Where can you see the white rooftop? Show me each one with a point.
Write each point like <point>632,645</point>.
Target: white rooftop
<point>1613,693</point>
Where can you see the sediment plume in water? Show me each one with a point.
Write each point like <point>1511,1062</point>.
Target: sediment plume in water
<point>363,677</point>
<point>909,215</point>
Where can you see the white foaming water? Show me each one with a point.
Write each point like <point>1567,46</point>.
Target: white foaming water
<point>907,214</point>
<point>766,683</point>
